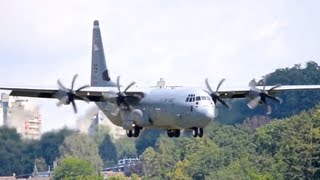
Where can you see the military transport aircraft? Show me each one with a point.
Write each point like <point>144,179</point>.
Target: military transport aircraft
<point>172,109</point>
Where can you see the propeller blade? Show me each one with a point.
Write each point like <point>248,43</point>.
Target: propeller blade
<point>252,84</point>
<point>268,108</point>
<point>277,99</point>
<point>264,82</point>
<point>83,98</point>
<point>59,103</point>
<point>74,107</point>
<point>73,81</point>
<point>61,86</point>
<point>131,84</point>
<point>82,87</point>
<point>118,83</point>
<point>218,87</point>
<point>208,86</point>
<point>254,103</point>
<point>224,103</point>
<point>274,87</point>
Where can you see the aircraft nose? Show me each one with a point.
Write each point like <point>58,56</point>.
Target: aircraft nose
<point>207,113</point>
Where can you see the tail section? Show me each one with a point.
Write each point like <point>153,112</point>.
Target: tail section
<point>99,72</point>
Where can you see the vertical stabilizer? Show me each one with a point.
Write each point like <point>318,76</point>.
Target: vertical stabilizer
<point>99,72</point>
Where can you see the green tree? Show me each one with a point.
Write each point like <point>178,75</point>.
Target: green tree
<point>11,153</point>
<point>74,168</point>
<point>100,133</point>
<point>50,143</point>
<point>294,141</point>
<point>147,138</point>
<point>107,151</point>
<point>41,164</point>
<point>125,147</point>
<point>81,146</point>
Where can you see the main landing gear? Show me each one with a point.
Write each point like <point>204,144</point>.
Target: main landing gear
<point>197,132</point>
<point>134,133</point>
<point>173,133</point>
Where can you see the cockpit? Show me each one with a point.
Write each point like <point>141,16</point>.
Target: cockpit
<point>193,98</point>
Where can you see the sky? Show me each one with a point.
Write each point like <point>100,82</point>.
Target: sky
<point>182,41</point>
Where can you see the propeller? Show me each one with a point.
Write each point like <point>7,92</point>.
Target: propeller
<point>260,96</point>
<point>69,95</point>
<point>215,96</point>
<point>122,99</point>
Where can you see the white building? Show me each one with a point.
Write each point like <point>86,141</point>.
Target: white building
<point>22,115</point>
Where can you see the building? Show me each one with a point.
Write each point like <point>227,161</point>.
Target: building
<point>4,104</point>
<point>115,131</point>
<point>22,115</point>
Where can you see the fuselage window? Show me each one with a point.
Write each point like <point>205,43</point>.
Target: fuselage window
<point>198,98</point>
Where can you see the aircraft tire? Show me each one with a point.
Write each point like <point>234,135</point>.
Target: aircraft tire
<point>177,133</point>
<point>136,132</point>
<point>200,132</point>
<point>129,133</point>
<point>170,133</point>
<point>195,132</point>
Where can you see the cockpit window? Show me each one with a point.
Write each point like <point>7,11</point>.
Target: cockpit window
<point>191,98</point>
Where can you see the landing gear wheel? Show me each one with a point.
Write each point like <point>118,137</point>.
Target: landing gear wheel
<point>177,133</point>
<point>129,133</point>
<point>200,132</point>
<point>170,133</point>
<point>136,132</point>
<point>195,132</point>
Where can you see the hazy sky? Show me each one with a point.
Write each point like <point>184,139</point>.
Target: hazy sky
<point>182,41</point>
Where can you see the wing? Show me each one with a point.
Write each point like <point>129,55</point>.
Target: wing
<point>95,94</point>
<point>243,92</point>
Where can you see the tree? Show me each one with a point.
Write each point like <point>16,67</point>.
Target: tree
<point>107,151</point>
<point>50,143</point>
<point>295,142</point>
<point>294,102</point>
<point>147,138</point>
<point>41,164</point>
<point>100,132</point>
<point>125,147</point>
<point>74,168</point>
<point>11,153</point>
<point>81,146</point>
<point>35,170</point>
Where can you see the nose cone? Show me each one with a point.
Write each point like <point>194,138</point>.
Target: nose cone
<point>207,113</point>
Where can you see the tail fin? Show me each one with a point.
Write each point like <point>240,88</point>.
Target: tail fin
<point>99,72</point>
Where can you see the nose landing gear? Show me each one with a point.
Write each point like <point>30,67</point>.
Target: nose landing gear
<point>197,132</point>
<point>134,133</point>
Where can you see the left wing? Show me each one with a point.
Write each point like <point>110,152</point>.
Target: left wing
<point>95,94</point>
<point>90,93</point>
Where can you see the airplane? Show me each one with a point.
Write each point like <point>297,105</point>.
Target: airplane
<point>172,109</point>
